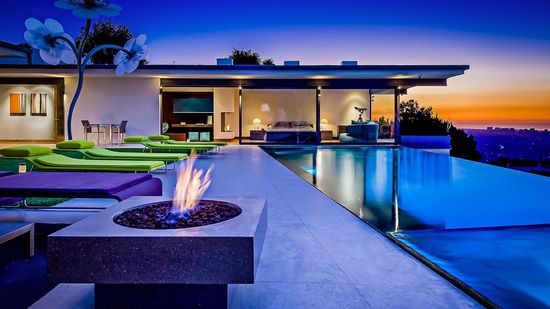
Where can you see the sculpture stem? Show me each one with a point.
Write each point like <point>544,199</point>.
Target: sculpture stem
<point>79,86</point>
<point>85,36</point>
<point>81,66</point>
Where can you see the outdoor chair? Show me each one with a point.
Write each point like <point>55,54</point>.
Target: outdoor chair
<point>88,129</point>
<point>120,131</point>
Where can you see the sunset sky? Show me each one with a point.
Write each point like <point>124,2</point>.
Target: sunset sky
<point>506,43</point>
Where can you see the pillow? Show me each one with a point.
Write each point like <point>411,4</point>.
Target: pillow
<point>159,137</point>
<point>25,151</point>
<point>282,124</point>
<point>300,124</point>
<point>135,139</point>
<point>75,144</point>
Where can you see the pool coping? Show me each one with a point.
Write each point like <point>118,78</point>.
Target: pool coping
<point>484,301</point>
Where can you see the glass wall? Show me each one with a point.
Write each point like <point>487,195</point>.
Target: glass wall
<point>383,112</point>
<point>278,116</point>
<point>355,115</point>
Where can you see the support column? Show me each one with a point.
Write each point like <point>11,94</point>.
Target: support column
<point>160,113</point>
<point>370,105</point>
<point>318,113</point>
<point>240,115</point>
<point>397,133</point>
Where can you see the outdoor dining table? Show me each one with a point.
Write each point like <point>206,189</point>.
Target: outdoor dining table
<point>108,129</point>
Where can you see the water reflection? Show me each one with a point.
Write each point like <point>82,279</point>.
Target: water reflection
<point>411,189</point>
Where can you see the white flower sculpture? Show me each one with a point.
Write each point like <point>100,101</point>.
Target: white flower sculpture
<point>89,8</point>
<point>128,62</point>
<point>42,36</point>
<point>56,46</point>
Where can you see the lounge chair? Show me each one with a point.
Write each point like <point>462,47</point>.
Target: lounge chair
<point>166,139</point>
<point>9,200</point>
<point>117,186</point>
<point>173,142</point>
<point>87,150</point>
<point>43,159</point>
<point>158,147</point>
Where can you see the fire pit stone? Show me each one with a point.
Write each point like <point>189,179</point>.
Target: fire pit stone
<point>123,261</point>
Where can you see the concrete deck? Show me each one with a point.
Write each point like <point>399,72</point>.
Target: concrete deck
<point>316,254</point>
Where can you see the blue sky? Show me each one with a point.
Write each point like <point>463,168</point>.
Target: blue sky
<point>161,18</point>
<point>507,43</point>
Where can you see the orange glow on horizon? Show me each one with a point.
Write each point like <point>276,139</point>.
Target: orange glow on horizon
<point>513,109</point>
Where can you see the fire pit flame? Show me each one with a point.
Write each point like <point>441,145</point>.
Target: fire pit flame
<point>190,186</point>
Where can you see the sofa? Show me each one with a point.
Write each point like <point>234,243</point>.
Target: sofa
<point>366,132</point>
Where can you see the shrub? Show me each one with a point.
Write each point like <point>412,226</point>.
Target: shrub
<point>416,120</point>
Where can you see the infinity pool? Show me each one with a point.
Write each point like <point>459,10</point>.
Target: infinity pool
<point>483,225</point>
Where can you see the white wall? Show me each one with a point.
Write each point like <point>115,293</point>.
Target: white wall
<point>113,99</point>
<point>26,127</point>
<point>226,100</point>
<point>338,106</point>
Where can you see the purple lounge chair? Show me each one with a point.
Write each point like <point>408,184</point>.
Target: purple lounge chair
<point>8,200</point>
<point>4,173</point>
<point>119,186</point>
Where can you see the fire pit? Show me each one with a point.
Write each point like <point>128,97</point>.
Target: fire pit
<point>151,268</point>
<point>160,216</point>
<point>146,252</point>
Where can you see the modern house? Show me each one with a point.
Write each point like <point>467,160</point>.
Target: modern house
<point>289,103</point>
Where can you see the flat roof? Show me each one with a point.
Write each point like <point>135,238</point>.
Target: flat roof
<point>339,76</point>
<point>11,50</point>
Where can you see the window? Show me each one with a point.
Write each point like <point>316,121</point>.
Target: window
<point>38,104</point>
<point>18,104</point>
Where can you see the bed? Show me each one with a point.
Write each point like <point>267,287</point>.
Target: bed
<point>291,132</point>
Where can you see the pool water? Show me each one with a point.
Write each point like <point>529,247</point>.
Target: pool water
<point>482,224</point>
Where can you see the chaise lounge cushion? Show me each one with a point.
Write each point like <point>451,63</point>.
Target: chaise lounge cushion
<point>75,144</point>
<point>135,139</point>
<point>158,137</point>
<point>25,151</point>
<point>66,163</point>
<point>109,154</point>
<point>76,184</point>
<point>190,146</point>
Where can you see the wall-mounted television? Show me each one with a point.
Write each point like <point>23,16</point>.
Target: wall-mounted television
<point>194,103</point>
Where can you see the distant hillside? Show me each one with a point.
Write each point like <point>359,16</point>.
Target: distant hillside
<point>512,143</point>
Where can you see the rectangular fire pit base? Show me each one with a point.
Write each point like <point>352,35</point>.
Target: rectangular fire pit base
<point>121,296</point>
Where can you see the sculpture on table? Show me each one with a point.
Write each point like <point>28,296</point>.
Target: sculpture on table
<point>361,110</point>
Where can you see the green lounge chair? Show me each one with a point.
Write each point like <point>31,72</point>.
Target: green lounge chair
<point>166,139</point>
<point>173,142</point>
<point>87,150</point>
<point>158,147</point>
<point>43,159</point>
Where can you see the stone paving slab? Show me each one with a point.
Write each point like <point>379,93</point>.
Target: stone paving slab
<point>317,254</point>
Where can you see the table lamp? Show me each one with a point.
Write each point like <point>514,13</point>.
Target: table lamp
<point>324,123</point>
<point>256,122</point>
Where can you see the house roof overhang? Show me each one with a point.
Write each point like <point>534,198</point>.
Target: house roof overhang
<point>260,76</point>
<point>10,50</point>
